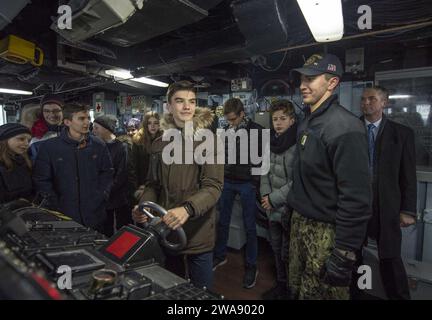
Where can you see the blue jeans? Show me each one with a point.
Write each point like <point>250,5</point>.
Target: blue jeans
<point>197,267</point>
<point>248,197</point>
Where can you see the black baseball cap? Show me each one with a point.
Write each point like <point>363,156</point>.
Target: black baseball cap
<point>321,63</point>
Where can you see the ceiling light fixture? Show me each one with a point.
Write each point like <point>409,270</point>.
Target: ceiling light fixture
<point>400,96</point>
<point>15,91</point>
<point>122,74</point>
<point>324,18</point>
<point>151,82</point>
<point>126,75</point>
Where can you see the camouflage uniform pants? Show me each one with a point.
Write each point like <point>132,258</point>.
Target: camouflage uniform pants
<point>310,246</point>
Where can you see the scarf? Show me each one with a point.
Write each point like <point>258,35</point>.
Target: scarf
<point>40,128</point>
<point>281,143</point>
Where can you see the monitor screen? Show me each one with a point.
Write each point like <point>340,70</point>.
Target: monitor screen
<point>122,244</point>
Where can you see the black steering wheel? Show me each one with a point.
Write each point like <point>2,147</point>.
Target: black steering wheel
<point>160,227</point>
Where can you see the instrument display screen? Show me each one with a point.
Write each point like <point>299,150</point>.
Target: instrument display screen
<point>122,244</point>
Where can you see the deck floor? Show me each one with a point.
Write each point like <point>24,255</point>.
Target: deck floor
<point>228,279</point>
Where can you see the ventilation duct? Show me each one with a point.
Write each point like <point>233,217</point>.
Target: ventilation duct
<point>263,23</point>
<point>95,16</point>
<point>157,18</point>
<point>129,22</point>
<point>9,10</point>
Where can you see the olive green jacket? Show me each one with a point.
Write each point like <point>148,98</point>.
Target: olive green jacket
<point>200,185</point>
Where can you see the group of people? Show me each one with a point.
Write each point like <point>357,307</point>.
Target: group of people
<point>334,181</point>
<point>90,177</point>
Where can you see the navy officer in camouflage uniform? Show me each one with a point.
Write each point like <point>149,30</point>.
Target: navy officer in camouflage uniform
<point>330,194</point>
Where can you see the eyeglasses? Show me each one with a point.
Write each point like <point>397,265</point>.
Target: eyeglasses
<point>52,111</point>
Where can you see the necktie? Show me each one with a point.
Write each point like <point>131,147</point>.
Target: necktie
<point>371,144</point>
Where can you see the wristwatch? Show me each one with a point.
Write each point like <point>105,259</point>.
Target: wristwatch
<point>189,209</point>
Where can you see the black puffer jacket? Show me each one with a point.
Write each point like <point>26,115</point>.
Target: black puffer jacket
<point>331,180</point>
<point>119,190</point>
<point>16,183</point>
<point>140,158</point>
<point>242,172</point>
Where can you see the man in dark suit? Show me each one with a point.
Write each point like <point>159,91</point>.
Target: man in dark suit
<point>392,165</point>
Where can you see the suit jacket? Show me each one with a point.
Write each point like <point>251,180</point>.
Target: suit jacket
<point>394,185</point>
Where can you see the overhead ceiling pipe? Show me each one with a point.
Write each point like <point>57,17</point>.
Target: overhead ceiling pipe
<point>9,10</point>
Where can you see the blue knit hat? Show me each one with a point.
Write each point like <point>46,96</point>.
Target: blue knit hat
<point>10,130</point>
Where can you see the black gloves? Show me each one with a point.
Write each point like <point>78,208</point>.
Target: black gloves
<point>338,268</point>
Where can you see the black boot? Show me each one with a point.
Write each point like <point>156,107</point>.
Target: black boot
<point>278,292</point>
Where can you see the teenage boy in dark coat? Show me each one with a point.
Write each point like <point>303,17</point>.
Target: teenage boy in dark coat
<point>75,170</point>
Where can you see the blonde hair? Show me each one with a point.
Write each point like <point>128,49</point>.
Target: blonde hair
<point>6,156</point>
<point>142,137</point>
